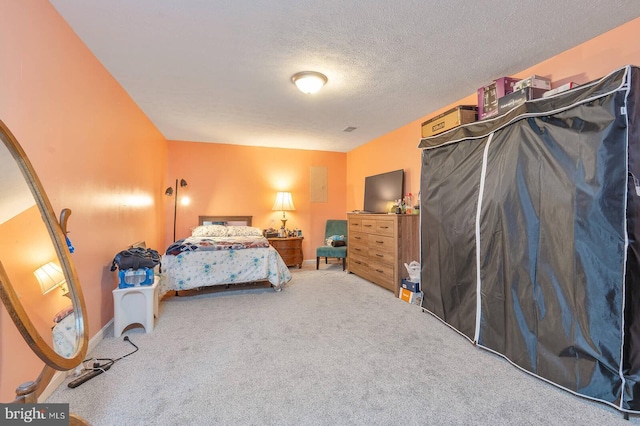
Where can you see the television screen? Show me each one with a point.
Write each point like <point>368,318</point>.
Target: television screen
<point>381,190</point>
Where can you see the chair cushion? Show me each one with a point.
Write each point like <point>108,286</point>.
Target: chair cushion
<point>326,251</point>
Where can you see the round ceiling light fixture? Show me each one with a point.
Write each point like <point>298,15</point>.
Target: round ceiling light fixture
<point>309,81</point>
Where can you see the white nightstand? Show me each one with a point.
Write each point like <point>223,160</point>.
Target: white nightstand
<point>135,305</point>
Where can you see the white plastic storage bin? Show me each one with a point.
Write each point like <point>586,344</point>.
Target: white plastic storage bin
<point>135,305</point>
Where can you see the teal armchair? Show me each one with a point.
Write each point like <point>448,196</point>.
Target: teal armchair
<point>333,227</point>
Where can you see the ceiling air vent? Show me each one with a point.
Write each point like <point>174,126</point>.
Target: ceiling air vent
<point>349,129</point>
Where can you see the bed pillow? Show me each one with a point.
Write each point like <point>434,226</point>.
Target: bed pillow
<point>63,314</point>
<point>209,231</point>
<point>243,231</point>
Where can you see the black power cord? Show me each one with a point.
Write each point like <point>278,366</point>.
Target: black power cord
<point>98,368</point>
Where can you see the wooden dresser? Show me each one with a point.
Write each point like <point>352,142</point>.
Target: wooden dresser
<point>290,249</point>
<point>379,246</point>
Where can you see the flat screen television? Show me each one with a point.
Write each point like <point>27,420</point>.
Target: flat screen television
<point>381,190</point>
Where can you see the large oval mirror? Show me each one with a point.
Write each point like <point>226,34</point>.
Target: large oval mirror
<point>38,283</point>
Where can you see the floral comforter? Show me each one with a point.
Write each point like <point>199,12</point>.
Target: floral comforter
<point>64,336</point>
<point>205,261</point>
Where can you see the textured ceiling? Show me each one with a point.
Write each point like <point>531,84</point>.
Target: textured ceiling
<point>219,70</point>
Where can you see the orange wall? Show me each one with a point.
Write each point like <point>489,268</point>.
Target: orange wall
<point>92,147</point>
<point>241,180</point>
<point>398,149</point>
<point>395,150</point>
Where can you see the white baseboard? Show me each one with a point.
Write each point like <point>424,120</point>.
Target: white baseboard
<point>60,376</point>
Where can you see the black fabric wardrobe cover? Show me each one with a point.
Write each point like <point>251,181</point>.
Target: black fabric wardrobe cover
<point>529,225</point>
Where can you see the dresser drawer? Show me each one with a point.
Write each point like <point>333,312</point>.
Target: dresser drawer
<point>382,275</point>
<point>380,242</point>
<point>358,239</point>
<point>287,244</point>
<point>358,265</point>
<point>289,251</point>
<point>381,255</point>
<point>369,226</point>
<point>385,227</point>
<point>355,225</point>
<point>362,250</point>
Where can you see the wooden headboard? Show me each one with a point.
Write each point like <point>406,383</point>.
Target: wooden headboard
<point>225,220</point>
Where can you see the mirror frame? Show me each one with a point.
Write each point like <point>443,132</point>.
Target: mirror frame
<point>8,294</point>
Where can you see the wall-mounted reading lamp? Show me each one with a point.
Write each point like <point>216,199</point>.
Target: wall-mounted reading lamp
<point>169,192</point>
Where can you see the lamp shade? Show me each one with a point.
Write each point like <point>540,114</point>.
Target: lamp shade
<point>284,202</point>
<point>309,81</point>
<point>50,276</point>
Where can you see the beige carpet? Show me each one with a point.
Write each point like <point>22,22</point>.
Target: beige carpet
<point>331,349</point>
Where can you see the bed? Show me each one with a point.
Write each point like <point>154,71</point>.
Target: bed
<point>221,251</point>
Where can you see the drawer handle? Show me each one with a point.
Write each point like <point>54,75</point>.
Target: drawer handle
<point>356,249</point>
<point>368,226</point>
<point>379,255</point>
<point>384,227</point>
<point>356,238</point>
<point>380,242</point>
<point>378,270</point>
<point>357,262</point>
